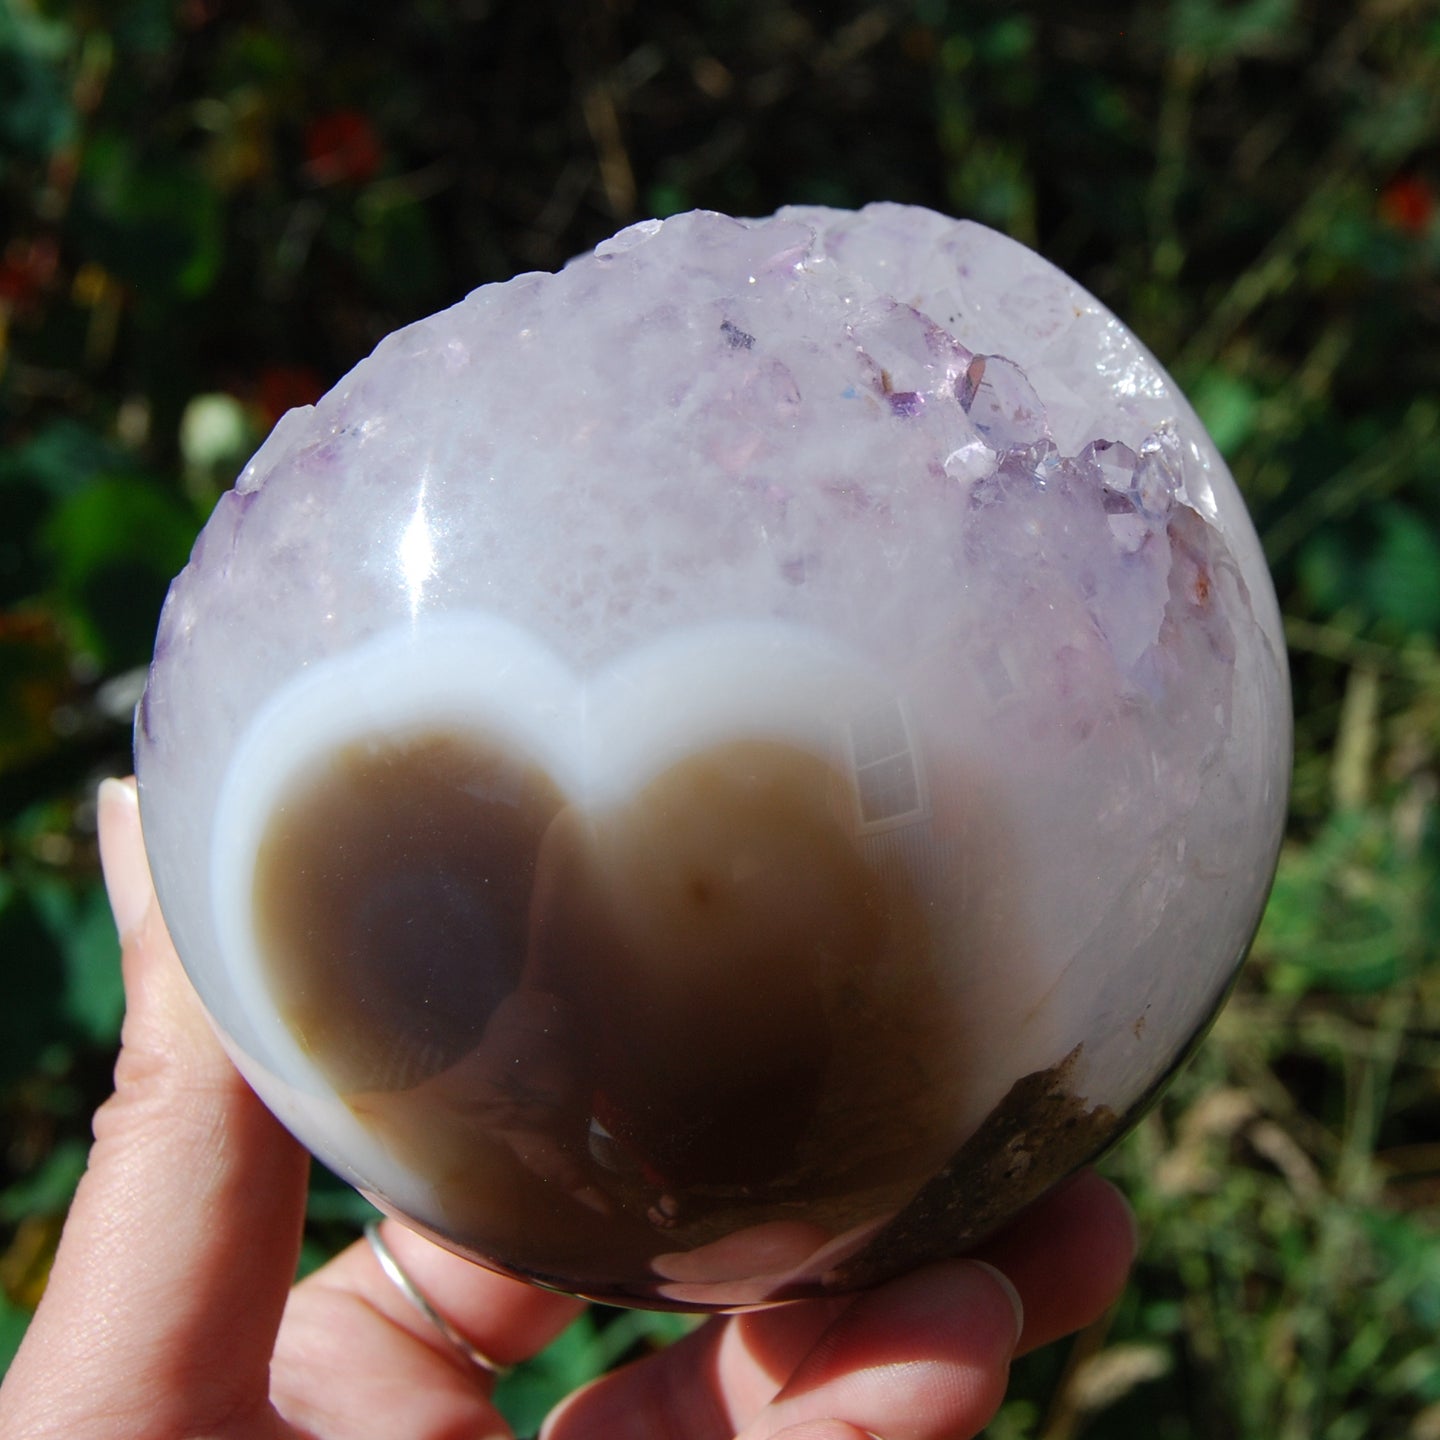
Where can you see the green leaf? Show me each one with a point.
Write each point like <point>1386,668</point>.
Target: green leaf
<point>665,199</point>
<point>115,546</point>
<point>153,221</point>
<point>332,1202</point>
<point>14,1321</point>
<point>599,1339</point>
<point>57,463</point>
<point>1403,576</point>
<point>1347,912</point>
<point>395,246</point>
<point>32,975</point>
<point>526,1397</point>
<point>1228,406</point>
<point>313,1254</point>
<point>81,926</point>
<point>1394,121</point>
<point>1409,1251</point>
<point>1329,571</point>
<point>37,115</point>
<point>1384,567</point>
<point>1217,29</point>
<point>60,460</point>
<point>49,1190</point>
<point>145,28</point>
<point>1009,40</point>
<point>624,1330</point>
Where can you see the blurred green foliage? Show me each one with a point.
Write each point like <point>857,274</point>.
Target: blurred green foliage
<point>209,209</point>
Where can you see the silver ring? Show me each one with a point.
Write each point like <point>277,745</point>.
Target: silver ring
<point>467,1353</point>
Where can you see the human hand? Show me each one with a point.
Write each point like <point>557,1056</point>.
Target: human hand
<point>170,1314</point>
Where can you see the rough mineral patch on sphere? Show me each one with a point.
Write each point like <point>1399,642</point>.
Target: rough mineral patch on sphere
<point>723,773</point>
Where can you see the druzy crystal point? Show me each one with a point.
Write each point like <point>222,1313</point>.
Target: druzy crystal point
<point>721,774</point>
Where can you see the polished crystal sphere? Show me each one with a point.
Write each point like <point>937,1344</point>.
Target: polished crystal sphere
<point>723,773</point>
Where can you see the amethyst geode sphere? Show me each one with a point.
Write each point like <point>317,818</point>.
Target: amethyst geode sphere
<point>721,774</point>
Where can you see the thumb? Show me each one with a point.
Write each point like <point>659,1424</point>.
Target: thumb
<point>166,1294</point>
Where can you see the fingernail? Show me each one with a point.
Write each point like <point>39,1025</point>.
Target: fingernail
<point>122,855</point>
<point>1016,1304</point>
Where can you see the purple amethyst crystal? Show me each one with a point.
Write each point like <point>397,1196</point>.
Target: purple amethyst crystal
<point>723,773</point>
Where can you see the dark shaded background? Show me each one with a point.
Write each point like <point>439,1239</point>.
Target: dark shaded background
<point>209,209</point>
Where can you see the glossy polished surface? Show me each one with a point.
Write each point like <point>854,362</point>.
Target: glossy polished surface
<point>725,772</point>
